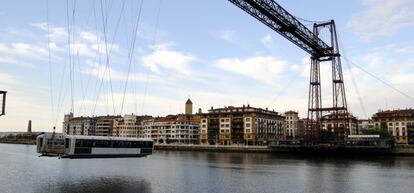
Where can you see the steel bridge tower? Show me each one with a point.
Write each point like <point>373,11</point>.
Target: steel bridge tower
<point>338,111</point>
<point>278,19</point>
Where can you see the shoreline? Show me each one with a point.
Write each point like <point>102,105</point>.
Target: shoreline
<point>294,150</point>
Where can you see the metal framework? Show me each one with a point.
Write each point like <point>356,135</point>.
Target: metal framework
<point>277,18</point>
<point>3,102</point>
<point>339,110</point>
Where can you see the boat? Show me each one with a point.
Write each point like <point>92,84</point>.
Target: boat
<point>79,146</point>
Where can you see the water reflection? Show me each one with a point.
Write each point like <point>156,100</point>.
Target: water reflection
<point>97,185</point>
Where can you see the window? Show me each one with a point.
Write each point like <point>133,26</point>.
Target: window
<point>247,130</point>
<point>247,119</point>
<point>247,124</point>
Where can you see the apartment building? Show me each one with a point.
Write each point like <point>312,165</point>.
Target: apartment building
<point>399,124</point>
<point>241,126</point>
<point>327,123</point>
<point>291,124</point>
<point>172,129</point>
<point>364,125</point>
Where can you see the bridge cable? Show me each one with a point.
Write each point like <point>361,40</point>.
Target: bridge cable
<point>361,103</point>
<point>50,63</point>
<point>131,52</point>
<point>147,78</point>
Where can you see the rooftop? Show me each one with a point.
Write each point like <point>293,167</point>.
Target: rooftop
<point>242,109</point>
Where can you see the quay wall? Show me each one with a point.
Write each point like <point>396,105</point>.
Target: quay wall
<point>299,150</point>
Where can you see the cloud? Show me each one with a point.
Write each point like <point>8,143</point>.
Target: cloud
<point>163,57</point>
<point>409,49</point>
<point>55,33</point>
<point>382,18</point>
<point>403,78</point>
<point>23,50</point>
<point>262,68</point>
<point>100,71</point>
<point>267,40</point>
<point>88,36</point>
<point>227,35</point>
<point>11,61</point>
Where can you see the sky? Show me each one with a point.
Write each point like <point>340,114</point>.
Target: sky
<point>99,57</point>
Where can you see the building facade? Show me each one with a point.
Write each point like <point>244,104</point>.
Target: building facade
<point>173,129</point>
<point>398,123</point>
<point>241,126</point>
<point>291,124</point>
<point>327,123</point>
<point>364,125</point>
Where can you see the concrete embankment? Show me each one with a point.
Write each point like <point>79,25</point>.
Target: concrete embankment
<point>214,148</point>
<point>299,150</point>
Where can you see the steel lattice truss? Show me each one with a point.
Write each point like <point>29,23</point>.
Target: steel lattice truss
<point>281,21</point>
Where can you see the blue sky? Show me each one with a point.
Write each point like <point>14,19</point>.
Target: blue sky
<point>210,51</point>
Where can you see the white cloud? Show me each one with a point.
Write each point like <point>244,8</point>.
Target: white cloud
<point>382,18</point>
<point>11,61</point>
<point>227,35</point>
<point>55,33</point>
<point>403,79</point>
<point>81,49</point>
<point>23,50</point>
<point>163,57</point>
<point>100,71</point>
<point>267,40</point>
<point>409,49</point>
<point>89,36</point>
<point>261,68</point>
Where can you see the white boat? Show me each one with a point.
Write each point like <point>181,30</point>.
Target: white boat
<point>79,146</point>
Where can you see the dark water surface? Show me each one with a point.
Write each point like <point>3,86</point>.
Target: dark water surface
<point>22,171</point>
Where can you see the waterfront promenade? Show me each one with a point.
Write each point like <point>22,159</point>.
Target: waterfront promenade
<point>399,150</point>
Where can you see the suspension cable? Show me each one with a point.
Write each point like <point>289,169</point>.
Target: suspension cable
<point>104,23</point>
<point>50,63</point>
<point>131,52</point>
<point>147,78</point>
<point>361,103</point>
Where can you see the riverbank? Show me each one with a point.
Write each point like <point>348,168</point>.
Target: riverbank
<point>298,150</point>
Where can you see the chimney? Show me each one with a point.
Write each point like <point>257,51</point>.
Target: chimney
<point>29,127</point>
<point>200,111</point>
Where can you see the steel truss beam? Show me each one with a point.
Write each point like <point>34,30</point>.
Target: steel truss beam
<point>275,17</point>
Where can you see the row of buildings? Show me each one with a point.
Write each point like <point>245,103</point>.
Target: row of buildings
<point>230,125</point>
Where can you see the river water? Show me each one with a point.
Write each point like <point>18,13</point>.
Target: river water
<point>21,170</point>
